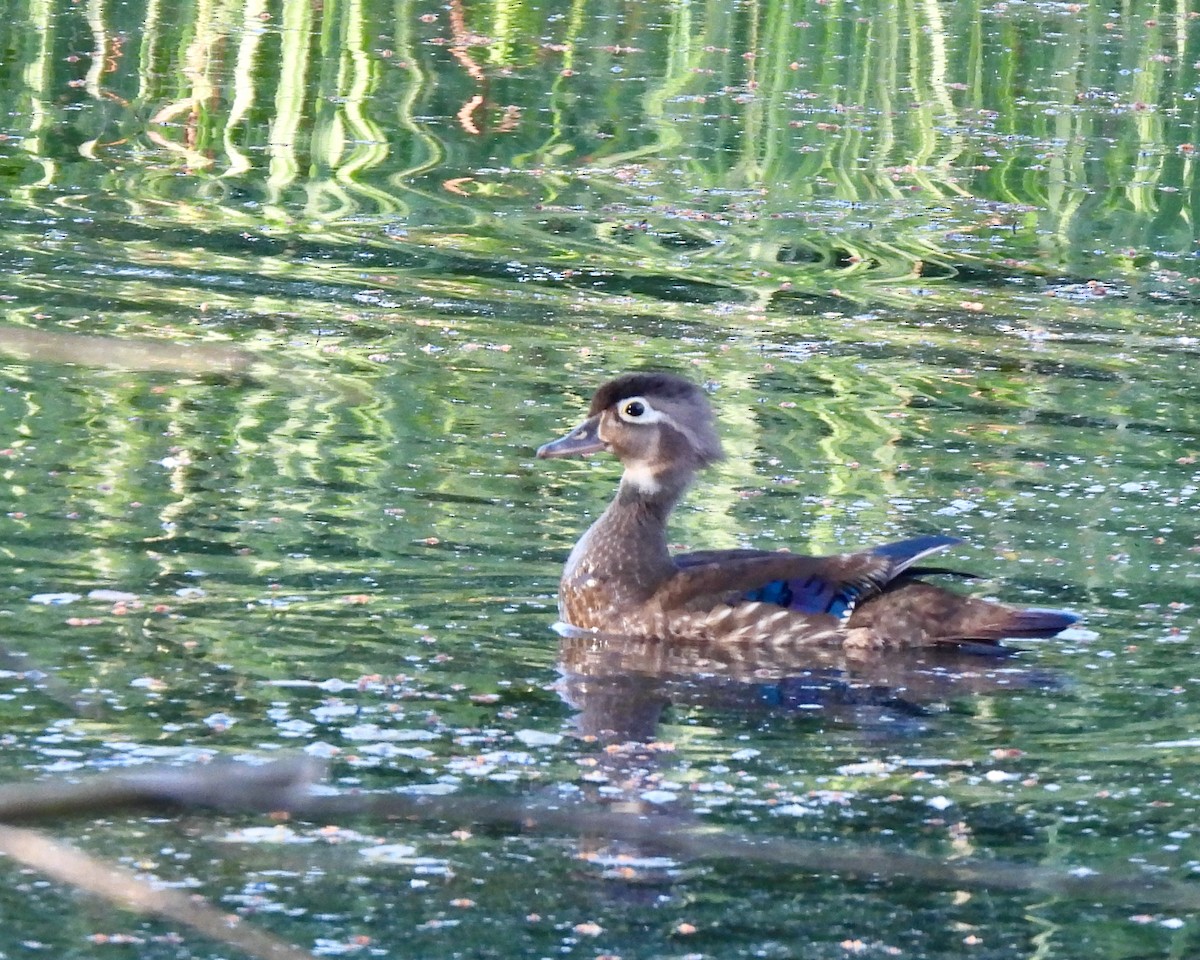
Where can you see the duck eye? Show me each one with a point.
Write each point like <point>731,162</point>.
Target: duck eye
<point>637,410</point>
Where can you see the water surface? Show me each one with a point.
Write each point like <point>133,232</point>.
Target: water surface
<point>292,294</point>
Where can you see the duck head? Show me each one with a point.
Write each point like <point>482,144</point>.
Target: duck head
<point>660,426</point>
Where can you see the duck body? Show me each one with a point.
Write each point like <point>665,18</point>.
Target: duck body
<point>621,577</point>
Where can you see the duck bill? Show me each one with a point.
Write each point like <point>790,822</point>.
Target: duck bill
<point>585,438</point>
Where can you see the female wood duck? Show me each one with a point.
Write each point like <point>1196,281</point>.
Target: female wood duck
<point>622,579</point>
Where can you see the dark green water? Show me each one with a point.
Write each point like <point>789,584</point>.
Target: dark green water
<point>293,292</point>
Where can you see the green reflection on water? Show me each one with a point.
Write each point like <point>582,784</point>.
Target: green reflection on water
<point>292,293</point>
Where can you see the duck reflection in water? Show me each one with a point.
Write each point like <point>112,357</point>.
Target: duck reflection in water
<point>620,686</point>
<point>860,635</point>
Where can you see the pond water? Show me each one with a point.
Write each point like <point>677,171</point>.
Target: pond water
<point>293,292</point>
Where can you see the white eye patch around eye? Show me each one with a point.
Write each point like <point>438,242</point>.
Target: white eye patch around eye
<point>638,410</point>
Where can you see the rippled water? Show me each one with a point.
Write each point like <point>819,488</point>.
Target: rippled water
<point>267,434</point>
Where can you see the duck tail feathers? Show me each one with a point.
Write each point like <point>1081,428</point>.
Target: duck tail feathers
<point>904,553</point>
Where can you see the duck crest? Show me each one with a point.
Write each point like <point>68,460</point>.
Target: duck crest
<point>621,578</point>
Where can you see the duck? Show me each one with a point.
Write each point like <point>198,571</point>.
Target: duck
<point>622,579</point>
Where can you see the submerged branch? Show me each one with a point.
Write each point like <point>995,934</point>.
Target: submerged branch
<point>121,353</point>
<point>222,785</point>
<point>688,840</point>
<point>285,786</point>
<point>48,684</point>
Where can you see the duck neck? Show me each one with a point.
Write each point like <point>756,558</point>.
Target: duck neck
<point>628,542</point>
<point>657,492</point>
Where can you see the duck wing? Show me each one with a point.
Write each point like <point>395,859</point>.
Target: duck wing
<point>813,585</point>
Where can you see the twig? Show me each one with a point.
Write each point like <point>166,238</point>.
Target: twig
<point>123,888</point>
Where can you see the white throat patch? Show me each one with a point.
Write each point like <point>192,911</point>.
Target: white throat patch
<point>642,479</point>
